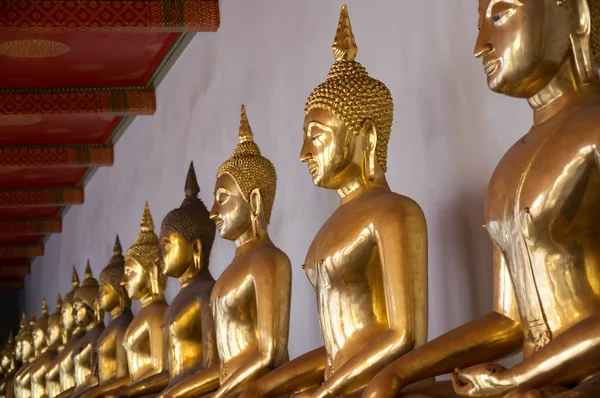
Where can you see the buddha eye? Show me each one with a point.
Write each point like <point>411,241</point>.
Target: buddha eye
<point>502,16</point>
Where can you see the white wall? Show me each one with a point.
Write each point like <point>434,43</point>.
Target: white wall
<point>449,133</point>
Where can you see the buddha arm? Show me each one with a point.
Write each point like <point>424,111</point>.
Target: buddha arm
<point>272,285</point>
<point>489,338</point>
<point>109,387</point>
<point>308,370</point>
<point>568,359</point>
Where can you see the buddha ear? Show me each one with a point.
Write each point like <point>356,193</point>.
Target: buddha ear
<point>369,133</point>
<point>198,253</point>
<point>581,22</point>
<point>256,202</point>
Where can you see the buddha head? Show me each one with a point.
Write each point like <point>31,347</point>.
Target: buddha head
<point>67,312</point>
<point>54,330</point>
<point>40,328</point>
<point>112,295</point>
<point>27,348</point>
<point>245,188</point>
<point>84,300</point>
<point>187,233</point>
<point>18,339</point>
<point>348,119</point>
<point>142,277</point>
<point>524,43</point>
<point>7,358</point>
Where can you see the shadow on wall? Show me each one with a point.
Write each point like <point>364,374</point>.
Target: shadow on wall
<point>12,302</point>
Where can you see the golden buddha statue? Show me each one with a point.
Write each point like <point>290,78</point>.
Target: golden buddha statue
<point>9,366</point>
<point>541,212</point>
<point>186,239</point>
<point>144,281</point>
<point>45,352</point>
<point>18,342</point>
<point>113,373</point>
<point>89,317</point>
<point>23,375</point>
<point>368,263</point>
<point>250,301</point>
<point>60,375</point>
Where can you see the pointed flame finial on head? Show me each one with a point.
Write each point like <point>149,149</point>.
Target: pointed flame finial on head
<point>75,278</point>
<point>344,45</point>
<point>58,304</point>
<point>11,339</point>
<point>32,319</point>
<point>44,307</point>
<point>117,249</point>
<point>147,224</point>
<point>245,134</point>
<point>88,270</point>
<point>23,320</point>
<point>192,189</point>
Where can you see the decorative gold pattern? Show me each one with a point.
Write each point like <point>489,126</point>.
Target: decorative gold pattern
<point>33,48</point>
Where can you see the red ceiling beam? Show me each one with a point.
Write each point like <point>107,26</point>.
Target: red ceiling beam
<point>12,198</point>
<point>21,251</point>
<point>12,284</point>
<point>56,156</point>
<point>30,227</point>
<point>15,270</point>
<point>110,15</point>
<point>111,101</point>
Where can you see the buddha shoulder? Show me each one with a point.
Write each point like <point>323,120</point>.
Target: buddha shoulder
<point>390,205</point>
<point>269,256</point>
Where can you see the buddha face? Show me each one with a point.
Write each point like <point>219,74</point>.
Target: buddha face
<point>177,254</point>
<point>27,348</point>
<point>39,337</point>
<point>83,313</point>
<point>135,279</point>
<point>230,211</point>
<point>67,315</point>
<point>108,297</point>
<point>522,44</point>
<point>18,349</point>
<point>328,149</point>
<point>53,333</point>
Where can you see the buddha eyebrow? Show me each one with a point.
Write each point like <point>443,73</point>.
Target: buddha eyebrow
<point>488,13</point>
<point>317,124</point>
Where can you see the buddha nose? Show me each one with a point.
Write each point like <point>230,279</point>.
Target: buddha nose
<point>305,153</point>
<point>483,45</point>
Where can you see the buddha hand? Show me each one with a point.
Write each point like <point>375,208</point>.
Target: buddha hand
<point>483,380</point>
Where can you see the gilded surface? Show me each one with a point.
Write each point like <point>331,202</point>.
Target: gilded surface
<point>250,301</point>
<point>113,373</point>
<point>144,341</point>
<point>187,236</point>
<point>368,262</point>
<point>541,212</point>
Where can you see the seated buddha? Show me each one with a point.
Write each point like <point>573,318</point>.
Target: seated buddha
<point>60,374</point>
<point>368,262</point>
<point>144,341</point>
<point>186,239</point>
<point>542,211</point>
<point>250,301</point>
<point>9,366</point>
<point>23,375</point>
<point>90,318</point>
<point>46,338</point>
<point>113,373</point>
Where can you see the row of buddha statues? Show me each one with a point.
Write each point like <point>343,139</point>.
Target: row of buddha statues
<point>368,263</point>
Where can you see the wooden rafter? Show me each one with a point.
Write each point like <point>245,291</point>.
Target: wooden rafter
<point>15,270</point>
<point>13,198</point>
<point>110,15</point>
<point>30,227</point>
<point>18,251</point>
<point>114,101</point>
<point>56,156</point>
<point>12,284</point>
